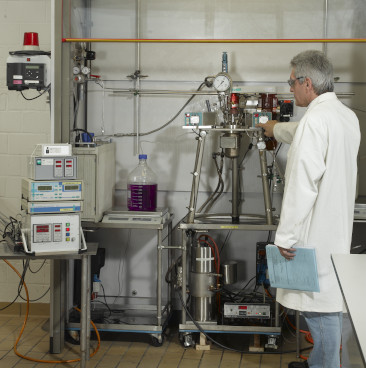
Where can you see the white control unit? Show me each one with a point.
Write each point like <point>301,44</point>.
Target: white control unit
<point>53,150</point>
<point>52,190</point>
<point>53,234</point>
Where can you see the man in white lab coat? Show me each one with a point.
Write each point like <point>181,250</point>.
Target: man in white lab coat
<point>318,202</point>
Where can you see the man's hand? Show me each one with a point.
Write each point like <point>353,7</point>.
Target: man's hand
<point>268,127</point>
<point>287,253</point>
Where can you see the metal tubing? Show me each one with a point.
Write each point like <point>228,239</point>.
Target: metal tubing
<point>235,191</point>
<point>57,306</point>
<point>170,289</point>
<point>163,92</point>
<point>203,93</point>
<point>325,32</point>
<point>137,80</point>
<point>184,273</point>
<point>196,177</point>
<point>277,314</point>
<point>83,313</point>
<point>265,184</point>
<point>138,34</point>
<point>219,40</point>
<point>159,271</point>
<point>88,313</point>
<point>297,334</point>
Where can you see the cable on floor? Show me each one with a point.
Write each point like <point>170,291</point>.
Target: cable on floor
<point>25,323</point>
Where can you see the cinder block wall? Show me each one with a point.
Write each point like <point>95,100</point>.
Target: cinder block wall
<point>23,124</point>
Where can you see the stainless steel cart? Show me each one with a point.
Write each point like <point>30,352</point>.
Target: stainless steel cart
<point>151,317</point>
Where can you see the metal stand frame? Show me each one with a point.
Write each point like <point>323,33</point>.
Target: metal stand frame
<point>159,312</point>
<point>197,222</point>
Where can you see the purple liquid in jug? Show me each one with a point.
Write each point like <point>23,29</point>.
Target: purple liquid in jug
<point>142,197</point>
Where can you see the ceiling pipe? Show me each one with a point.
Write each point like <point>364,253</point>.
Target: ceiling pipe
<point>210,40</point>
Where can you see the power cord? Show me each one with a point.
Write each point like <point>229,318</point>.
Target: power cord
<point>25,323</point>
<point>41,94</point>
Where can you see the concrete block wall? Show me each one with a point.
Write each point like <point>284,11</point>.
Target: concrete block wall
<point>23,124</point>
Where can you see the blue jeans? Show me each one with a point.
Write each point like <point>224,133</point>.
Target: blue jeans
<point>326,331</point>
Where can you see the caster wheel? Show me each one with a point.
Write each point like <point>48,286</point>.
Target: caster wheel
<point>186,339</point>
<point>73,337</point>
<point>157,340</point>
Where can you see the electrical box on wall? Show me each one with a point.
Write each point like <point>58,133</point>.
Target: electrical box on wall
<point>97,170</point>
<point>28,71</point>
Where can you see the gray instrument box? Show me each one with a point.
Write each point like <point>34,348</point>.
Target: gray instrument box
<point>97,170</point>
<point>52,168</point>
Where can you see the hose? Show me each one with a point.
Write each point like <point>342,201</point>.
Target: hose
<point>25,323</point>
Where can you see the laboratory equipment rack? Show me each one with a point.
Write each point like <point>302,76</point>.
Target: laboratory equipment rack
<point>222,222</point>
<point>152,316</point>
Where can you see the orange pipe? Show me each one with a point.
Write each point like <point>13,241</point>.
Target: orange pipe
<point>208,40</point>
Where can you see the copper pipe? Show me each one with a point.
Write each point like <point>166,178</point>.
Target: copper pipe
<point>208,40</point>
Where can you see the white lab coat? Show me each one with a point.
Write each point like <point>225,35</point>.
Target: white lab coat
<point>284,132</point>
<point>318,202</point>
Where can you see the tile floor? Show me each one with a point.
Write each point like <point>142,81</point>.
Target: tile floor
<point>130,351</point>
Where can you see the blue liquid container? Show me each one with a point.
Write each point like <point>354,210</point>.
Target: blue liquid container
<point>142,187</point>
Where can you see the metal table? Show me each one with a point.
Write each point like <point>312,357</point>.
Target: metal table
<point>57,291</point>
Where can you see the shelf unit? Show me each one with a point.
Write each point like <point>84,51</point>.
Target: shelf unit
<point>186,326</point>
<point>152,316</point>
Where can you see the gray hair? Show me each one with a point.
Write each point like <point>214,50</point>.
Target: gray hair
<point>316,66</point>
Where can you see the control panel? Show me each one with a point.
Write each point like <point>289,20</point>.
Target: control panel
<point>53,168</point>
<point>26,71</point>
<point>51,190</point>
<point>195,119</point>
<point>22,76</point>
<point>261,117</point>
<point>234,310</point>
<point>53,233</point>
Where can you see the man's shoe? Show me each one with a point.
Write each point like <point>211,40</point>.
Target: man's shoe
<point>298,364</point>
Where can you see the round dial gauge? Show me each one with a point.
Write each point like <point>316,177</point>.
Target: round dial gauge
<point>85,70</point>
<point>222,82</point>
<point>76,70</point>
<point>263,119</point>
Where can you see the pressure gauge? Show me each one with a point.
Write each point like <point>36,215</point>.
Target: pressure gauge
<point>222,82</point>
<point>76,70</point>
<point>263,119</point>
<point>85,70</point>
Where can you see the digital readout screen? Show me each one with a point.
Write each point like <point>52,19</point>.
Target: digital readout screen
<point>44,187</point>
<point>42,228</point>
<point>71,187</point>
